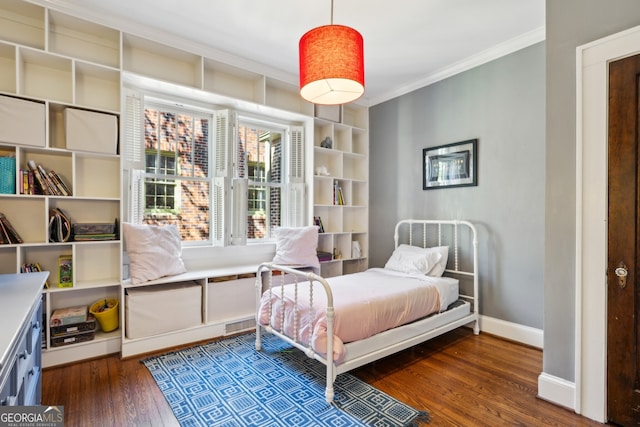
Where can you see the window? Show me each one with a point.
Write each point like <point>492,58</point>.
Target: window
<point>176,170</point>
<point>221,177</point>
<point>260,162</point>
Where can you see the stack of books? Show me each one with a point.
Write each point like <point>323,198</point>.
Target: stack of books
<point>94,231</point>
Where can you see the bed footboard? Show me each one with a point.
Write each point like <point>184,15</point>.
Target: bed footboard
<point>272,278</point>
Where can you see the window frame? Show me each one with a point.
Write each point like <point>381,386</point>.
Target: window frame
<point>220,180</point>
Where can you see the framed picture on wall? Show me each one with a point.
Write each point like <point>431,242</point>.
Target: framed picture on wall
<point>450,165</point>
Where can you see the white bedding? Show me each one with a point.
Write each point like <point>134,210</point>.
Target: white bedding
<point>365,304</point>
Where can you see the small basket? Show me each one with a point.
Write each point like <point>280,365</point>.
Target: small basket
<point>7,175</point>
<point>107,319</point>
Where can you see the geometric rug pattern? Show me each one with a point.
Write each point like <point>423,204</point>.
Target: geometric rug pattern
<point>228,383</point>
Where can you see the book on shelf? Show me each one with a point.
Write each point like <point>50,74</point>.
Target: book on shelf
<point>318,222</point>
<point>4,235</point>
<point>27,184</point>
<point>9,234</point>
<point>338,197</point>
<point>65,271</point>
<point>51,188</point>
<point>60,184</point>
<point>41,186</point>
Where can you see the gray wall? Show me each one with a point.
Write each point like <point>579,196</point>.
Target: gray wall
<point>570,23</point>
<point>501,103</point>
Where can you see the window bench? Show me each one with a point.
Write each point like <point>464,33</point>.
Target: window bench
<point>193,306</point>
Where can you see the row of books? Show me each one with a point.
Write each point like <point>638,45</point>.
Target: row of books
<point>33,268</point>
<point>65,271</point>
<point>338,197</point>
<point>37,180</point>
<point>8,234</point>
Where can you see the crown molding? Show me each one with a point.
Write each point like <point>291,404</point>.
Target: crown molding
<point>488,55</point>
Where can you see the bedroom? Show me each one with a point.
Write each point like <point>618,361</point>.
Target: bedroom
<point>533,267</point>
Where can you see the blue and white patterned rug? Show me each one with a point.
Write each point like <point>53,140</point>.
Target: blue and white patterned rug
<point>228,383</point>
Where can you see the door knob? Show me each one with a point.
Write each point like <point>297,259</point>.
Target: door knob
<point>622,273</point>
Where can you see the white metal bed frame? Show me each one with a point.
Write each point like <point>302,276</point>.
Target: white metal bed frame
<point>392,344</point>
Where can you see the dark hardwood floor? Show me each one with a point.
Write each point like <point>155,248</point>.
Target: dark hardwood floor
<point>461,379</point>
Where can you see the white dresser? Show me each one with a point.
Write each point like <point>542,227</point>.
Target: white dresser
<point>21,338</point>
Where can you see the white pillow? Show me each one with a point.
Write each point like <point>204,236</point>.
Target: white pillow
<point>441,265</point>
<point>412,260</point>
<point>153,251</point>
<point>297,246</point>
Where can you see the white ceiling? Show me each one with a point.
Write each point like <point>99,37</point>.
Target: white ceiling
<point>408,43</point>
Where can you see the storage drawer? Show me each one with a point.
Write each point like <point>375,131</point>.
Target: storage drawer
<point>34,342</point>
<point>22,121</point>
<point>157,309</point>
<point>91,131</point>
<point>22,355</point>
<point>231,299</point>
<point>33,387</point>
<point>30,379</point>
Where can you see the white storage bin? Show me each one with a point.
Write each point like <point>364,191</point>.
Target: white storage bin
<point>157,309</point>
<point>231,299</point>
<point>91,131</point>
<point>22,121</point>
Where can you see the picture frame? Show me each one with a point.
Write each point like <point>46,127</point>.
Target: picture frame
<point>450,165</point>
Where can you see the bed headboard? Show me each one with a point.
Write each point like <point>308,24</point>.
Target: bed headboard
<point>462,240</point>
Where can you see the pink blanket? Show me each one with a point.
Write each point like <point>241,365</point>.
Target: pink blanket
<point>365,304</point>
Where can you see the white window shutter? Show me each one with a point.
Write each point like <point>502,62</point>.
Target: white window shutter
<point>133,147</point>
<point>220,223</point>
<point>295,204</point>
<point>132,153</point>
<point>224,138</point>
<point>296,154</point>
<point>136,186</point>
<point>239,215</point>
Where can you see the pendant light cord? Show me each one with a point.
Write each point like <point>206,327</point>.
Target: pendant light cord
<point>331,12</point>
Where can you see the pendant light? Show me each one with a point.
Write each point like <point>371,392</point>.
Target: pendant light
<point>331,64</point>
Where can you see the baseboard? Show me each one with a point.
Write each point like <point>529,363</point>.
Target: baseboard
<point>557,391</point>
<point>512,331</point>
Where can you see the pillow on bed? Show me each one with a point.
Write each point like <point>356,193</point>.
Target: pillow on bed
<point>297,246</point>
<point>441,265</point>
<point>413,260</point>
<point>153,251</point>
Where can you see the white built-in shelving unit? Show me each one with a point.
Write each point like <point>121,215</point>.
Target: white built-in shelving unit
<point>54,58</point>
<point>62,62</point>
<point>347,166</point>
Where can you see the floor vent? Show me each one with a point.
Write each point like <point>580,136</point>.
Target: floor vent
<point>242,325</point>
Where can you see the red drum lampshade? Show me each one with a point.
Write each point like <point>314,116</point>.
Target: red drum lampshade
<point>331,65</point>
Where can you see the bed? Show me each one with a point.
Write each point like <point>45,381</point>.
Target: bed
<point>428,287</point>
